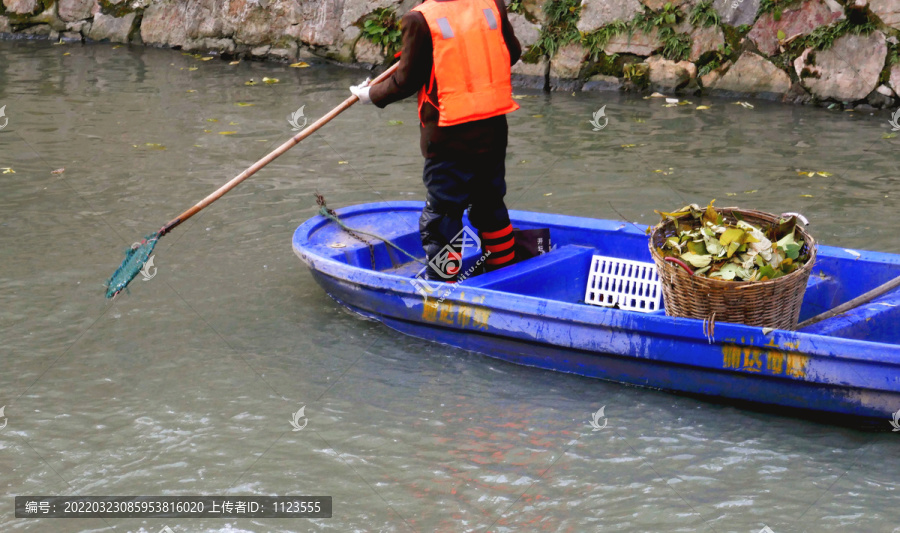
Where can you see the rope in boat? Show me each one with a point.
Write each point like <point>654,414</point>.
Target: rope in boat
<point>331,215</point>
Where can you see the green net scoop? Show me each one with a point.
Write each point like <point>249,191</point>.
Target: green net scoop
<point>135,257</point>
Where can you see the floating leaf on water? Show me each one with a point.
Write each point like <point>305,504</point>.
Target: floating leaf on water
<point>701,107</point>
<point>155,146</point>
<point>751,191</point>
<point>191,90</point>
<point>212,120</point>
<point>548,194</point>
<point>270,80</point>
<point>628,145</point>
<point>670,105</point>
<point>207,131</point>
<point>67,54</point>
<point>806,196</point>
<point>117,46</point>
<point>58,171</point>
<point>237,62</point>
<point>537,116</point>
<point>885,136</point>
<point>342,162</point>
<point>395,122</point>
<point>824,174</point>
<point>193,68</point>
<point>207,58</point>
<point>243,104</point>
<point>8,170</point>
<point>232,123</point>
<point>227,132</point>
<point>730,194</point>
<point>299,64</point>
<point>521,96</point>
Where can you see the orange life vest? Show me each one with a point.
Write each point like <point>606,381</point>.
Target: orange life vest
<point>471,61</point>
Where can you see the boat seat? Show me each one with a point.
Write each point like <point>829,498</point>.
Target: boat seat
<point>560,274</point>
<point>876,321</point>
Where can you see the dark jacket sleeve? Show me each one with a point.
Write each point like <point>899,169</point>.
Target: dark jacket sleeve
<point>416,58</point>
<point>509,36</point>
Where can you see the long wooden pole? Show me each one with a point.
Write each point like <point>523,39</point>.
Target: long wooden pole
<point>856,302</point>
<point>290,143</point>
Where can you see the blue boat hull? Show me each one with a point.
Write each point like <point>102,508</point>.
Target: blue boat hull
<point>530,314</point>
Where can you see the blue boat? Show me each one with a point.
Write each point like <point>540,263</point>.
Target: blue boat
<point>533,313</point>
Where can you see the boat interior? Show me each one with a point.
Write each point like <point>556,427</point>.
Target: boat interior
<point>562,273</point>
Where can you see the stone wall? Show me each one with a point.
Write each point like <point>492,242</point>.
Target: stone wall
<point>843,51</point>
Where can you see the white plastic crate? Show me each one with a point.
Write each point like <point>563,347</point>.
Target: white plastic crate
<point>633,285</point>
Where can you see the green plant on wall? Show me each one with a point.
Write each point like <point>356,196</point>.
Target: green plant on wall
<point>704,15</point>
<point>675,46</point>
<point>722,54</point>
<point>823,37</point>
<point>667,16</point>
<point>382,28</point>
<point>776,7</point>
<point>516,6</point>
<point>638,74</point>
<point>559,30</point>
<point>597,40</point>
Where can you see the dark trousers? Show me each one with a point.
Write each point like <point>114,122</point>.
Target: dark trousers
<point>476,182</point>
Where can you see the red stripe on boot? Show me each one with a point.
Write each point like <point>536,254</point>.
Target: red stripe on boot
<point>494,248</point>
<point>497,234</point>
<point>501,260</point>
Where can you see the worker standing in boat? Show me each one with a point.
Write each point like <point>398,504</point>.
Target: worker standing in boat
<point>457,55</point>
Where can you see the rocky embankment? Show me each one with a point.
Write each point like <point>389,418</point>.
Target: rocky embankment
<point>827,51</point>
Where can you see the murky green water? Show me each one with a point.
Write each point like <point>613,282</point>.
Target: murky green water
<point>187,385</point>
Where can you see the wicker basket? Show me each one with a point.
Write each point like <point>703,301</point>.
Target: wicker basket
<point>772,303</point>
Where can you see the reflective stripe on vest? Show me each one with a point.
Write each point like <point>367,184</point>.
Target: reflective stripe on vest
<point>471,61</point>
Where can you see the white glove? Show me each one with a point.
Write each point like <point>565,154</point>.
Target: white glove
<point>361,91</point>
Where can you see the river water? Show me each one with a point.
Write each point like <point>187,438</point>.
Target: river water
<point>188,384</point>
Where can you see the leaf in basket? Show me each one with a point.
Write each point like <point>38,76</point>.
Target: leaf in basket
<point>711,215</point>
<point>766,272</point>
<point>698,261</point>
<point>673,216</point>
<point>732,248</point>
<point>732,235</point>
<point>698,248</point>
